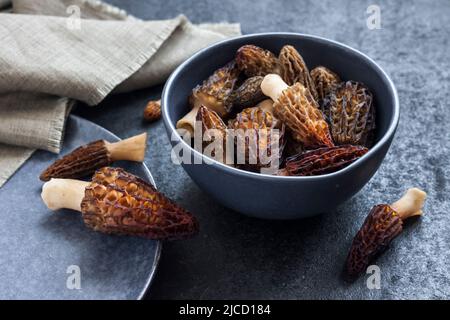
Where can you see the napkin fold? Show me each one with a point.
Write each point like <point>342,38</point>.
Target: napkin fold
<point>55,53</point>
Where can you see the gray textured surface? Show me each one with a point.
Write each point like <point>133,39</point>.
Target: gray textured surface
<point>239,257</point>
<point>38,245</point>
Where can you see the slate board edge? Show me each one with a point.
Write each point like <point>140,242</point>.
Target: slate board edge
<point>152,181</point>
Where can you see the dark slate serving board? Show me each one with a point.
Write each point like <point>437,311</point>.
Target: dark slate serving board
<point>42,250</point>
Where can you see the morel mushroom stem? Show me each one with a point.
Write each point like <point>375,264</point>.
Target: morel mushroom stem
<point>410,204</point>
<point>63,194</point>
<point>86,159</point>
<point>272,86</point>
<point>131,149</point>
<point>266,105</point>
<point>188,121</point>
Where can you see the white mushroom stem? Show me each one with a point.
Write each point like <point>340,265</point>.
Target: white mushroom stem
<point>131,149</point>
<point>266,105</point>
<point>272,86</point>
<point>63,194</point>
<point>188,121</point>
<point>410,204</point>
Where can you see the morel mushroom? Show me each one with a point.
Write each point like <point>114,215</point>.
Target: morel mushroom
<point>296,107</point>
<point>256,61</point>
<point>152,111</point>
<point>352,117</point>
<point>86,159</point>
<point>117,202</point>
<point>381,226</point>
<point>294,69</point>
<point>213,129</point>
<point>325,82</point>
<point>258,135</point>
<point>248,94</point>
<point>323,160</point>
<point>213,94</point>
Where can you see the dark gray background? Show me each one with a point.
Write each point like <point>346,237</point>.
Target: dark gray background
<point>239,257</point>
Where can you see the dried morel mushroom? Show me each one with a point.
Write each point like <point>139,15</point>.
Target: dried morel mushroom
<point>152,111</point>
<point>351,113</point>
<point>248,94</point>
<point>323,160</point>
<point>213,94</point>
<point>258,134</point>
<point>118,202</point>
<point>383,224</point>
<point>213,128</point>
<point>294,69</point>
<point>86,159</point>
<point>296,107</point>
<point>210,120</point>
<point>256,61</point>
<point>325,82</point>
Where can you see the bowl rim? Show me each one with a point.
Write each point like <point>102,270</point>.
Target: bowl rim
<point>232,170</point>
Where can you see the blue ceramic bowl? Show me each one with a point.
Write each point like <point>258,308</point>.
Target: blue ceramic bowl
<point>276,197</point>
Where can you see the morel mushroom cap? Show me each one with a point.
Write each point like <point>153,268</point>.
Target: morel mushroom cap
<point>118,202</point>
<point>248,94</point>
<point>325,82</point>
<point>256,131</point>
<point>88,158</point>
<point>381,226</point>
<point>259,117</point>
<point>323,160</point>
<point>152,111</point>
<point>213,128</point>
<point>213,94</point>
<point>351,113</point>
<point>256,61</point>
<point>210,120</point>
<point>296,107</point>
<point>215,91</point>
<point>294,69</point>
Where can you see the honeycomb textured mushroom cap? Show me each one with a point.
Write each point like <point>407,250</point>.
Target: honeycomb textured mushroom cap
<point>215,91</point>
<point>82,161</point>
<point>256,61</point>
<point>261,134</point>
<point>152,111</point>
<point>213,128</point>
<point>294,69</point>
<point>323,160</point>
<point>325,82</point>
<point>381,226</point>
<point>298,109</point>
<point>248,94</point>
<point>351,113</point>
<point>214,94</point>
<point>118,202</point>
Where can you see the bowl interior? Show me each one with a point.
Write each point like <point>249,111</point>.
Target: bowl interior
<point>349,64</point>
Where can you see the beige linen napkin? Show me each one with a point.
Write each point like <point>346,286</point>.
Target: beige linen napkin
<point>47,61</point>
